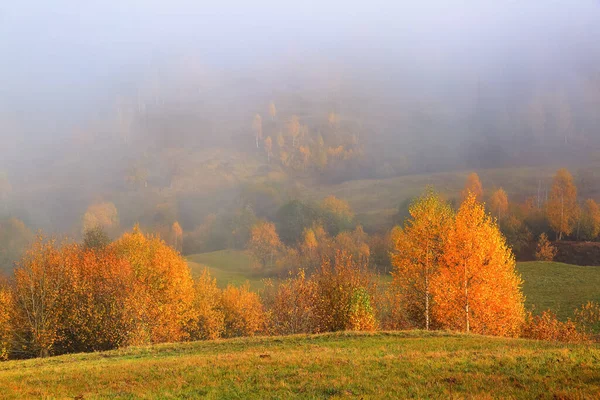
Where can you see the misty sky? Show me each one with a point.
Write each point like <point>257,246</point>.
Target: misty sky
<point>68,54</point>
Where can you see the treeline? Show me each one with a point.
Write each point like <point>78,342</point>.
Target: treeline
<point>452,270</point>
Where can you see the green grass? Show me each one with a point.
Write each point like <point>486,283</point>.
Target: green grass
<point>383,365</point>
<point>559,287</point>
<point>227,266</point>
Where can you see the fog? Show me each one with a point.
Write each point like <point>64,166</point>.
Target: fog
<point>168,90</point>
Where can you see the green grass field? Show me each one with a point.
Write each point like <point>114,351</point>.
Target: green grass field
<point>555,286</point>
<point>227,266</point>
<point>345,365</point>
<point>559,287</point>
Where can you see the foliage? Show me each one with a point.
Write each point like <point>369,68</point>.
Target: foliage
<point>562,208</point>
<point>545,250</point>
<point>96,238</point>
<point>207,318</point>
<point>264,244</point>
<point>291,305</point>
<point>104,215</point>
<point>345,290</point>
<point>518,236</point>
<point>473,186</point>
<point>477,288</point>
<point>499,204</point>
<point>337,214</point>
<point>6,323</point>
<point>293,218</point>
<point>417,254</point>
<point>164,286</point>
<point>547,327</point>
<point>587,318</point>
<point>590,220</point>
<point>243,311</point>
<point>39,285</point>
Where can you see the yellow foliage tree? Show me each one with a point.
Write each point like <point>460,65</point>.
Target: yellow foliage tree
<point>164,287</point>
<point>257,128</point>
<point>418,249</point>
<point>590,220</point>
<point>177,234</point>
<point>264,243</point>
<point>243,311</point>
<point>545,251</point>
<point>102,215</point>
<point>6,323</point>
<point>499,204</point>
<point>477,288</point>
<point>562,209</point>
<point>208,320</point>
<point>272,110</point>
<point>473,186</point>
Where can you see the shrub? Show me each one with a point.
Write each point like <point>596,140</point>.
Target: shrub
<point>243,311</point>
<point>547,327</point>
<point>291,305</point>
<point>344,293</point>
<point>587,318</point>
<point>545,251</point>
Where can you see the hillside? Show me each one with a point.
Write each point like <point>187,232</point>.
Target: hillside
<point>394,365</point>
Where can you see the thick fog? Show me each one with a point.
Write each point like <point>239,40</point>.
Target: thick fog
<point>90,91</point>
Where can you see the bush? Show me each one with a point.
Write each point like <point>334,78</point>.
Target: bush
<point>243,311</point>
<point>547,327</point>
<point>545,251</point>
<point>291,305</point>
<point>344,295</point>
<point>587,318</point>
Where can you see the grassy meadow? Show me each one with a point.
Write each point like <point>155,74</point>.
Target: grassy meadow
<point>344,365</point>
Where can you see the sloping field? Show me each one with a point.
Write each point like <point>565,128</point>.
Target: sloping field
<point>383,365</point>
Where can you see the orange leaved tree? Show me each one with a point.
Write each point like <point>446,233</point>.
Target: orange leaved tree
<point>39,285</point>
<point>207,318</point>
<point>418,249</point>
<point>499,204</point>
<point>477,288</point>
<point>164,289</point>
<point>6,323</point>
<point>243,311</point>
<point>562,208</point>
<point>473,186</point>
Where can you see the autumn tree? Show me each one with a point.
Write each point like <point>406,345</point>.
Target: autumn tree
<point>6,323</point>
<point>499,204</point>
<point>257,128</point>
<point>418,251</point>
<point>207,318</point>
<point>477,288</point>
<point>103,214</point>
<point>562,209</point>
<point>264,243</point>
<point>590,221</point>
<point>39,285</point>
<point>177,236</point>
<point>95,238</point>
<point>338,214</point>
<point>545,251</point>
<point>272,111</point>
<point>243,311</point>
<point>473,186</point>
<point>164,287</point>
<point>345,292</point>
<point>269,148</point>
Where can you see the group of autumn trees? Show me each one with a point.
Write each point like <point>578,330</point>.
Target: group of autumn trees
<point>328,148</point>
<point>452,270</point>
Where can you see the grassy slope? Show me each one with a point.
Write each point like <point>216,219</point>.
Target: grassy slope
<point>227,266</point>
<point>559,287</point>
<point>393,365</point>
